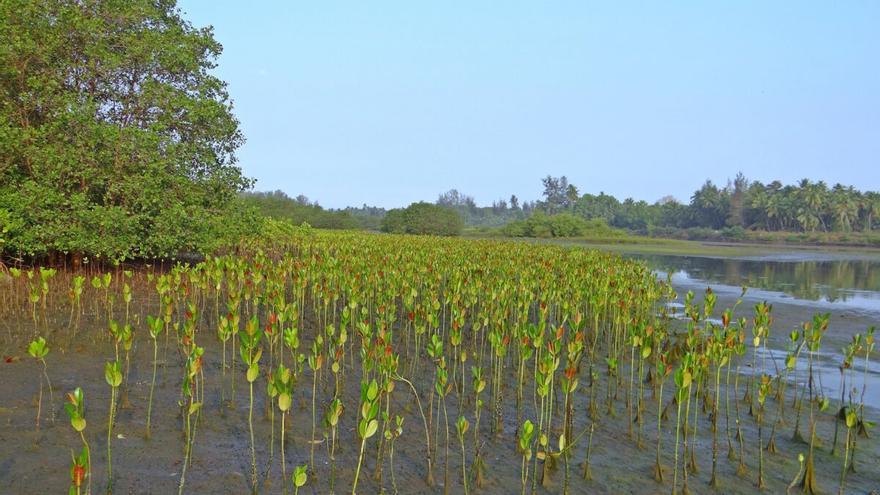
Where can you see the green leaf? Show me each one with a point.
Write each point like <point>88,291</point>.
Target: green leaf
<point>372,391</point>
<point>371,428</point>
<point>300,476</point>
<point>112,374</point>
<point>252,373</point>
<point>851,418</point>
<point>686,379</point>
<point>79,424</point>
<point>284,402</point>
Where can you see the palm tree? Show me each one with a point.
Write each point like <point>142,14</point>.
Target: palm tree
<point>711,205</point>
<point>844,206</point>
<point>774,210</point>
<point>871,207</point>
<point>756,206</point>
<point>808,219</point>
<point>812,198</point>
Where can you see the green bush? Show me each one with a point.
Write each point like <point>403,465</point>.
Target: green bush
<point>735,233</point>
<point>423,218</point>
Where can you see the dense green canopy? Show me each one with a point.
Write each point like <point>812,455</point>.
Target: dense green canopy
<point>423,218</point>
<point>115,139</point>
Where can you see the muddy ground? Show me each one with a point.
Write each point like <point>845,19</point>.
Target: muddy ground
<point>38,462</point>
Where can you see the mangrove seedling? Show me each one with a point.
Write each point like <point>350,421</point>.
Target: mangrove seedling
<point>462,426</point>
<point>851,421</point>
<point>334,412</point>
<point>479,384</point>
<point>443,387</point>
<point>797,477</point>
<point>113,376</point>
<point>683,378</point>
<point>392,433</point>
<point>282,382</point>
<point>848,356</point>
<point>38,349</point>
<point>155,325</point>
<point>300,477</point>
<point>189,390</point>
<point>718,351</point>
<point>33,296</point>
<point>368,424</point>
<point>315,360</point>
<point>814,333</point>
<point>863,424</point>
<point>75,296</point>
<point>429,479</point>
<point>761,332</point>
<point>78,468</point>
<point>525,448</point>
<point>763,392</point>
<point>791,358</point>
<point>249,340</point>
<point>224,332</point>
<point>127,341</point>
<point>663,371</point>
<point>75,408</point>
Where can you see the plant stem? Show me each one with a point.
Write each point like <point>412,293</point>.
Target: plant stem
<point>283,459</point>
<point>88,461</point>
<point>253,448</point>
<point>658,470</point>
<point>430,478</point>
<point>187,451</point>
<point>358,471</point>
<point>312,444</point>
<point>110,436</point>
<point>677,436</point>
<point>39,404</point>
<point>51,394</point>
<point>152,385</point>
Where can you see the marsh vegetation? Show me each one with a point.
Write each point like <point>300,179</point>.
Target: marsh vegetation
<point>369,363</point>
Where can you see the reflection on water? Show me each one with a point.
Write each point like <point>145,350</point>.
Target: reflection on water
<point>807,285</point>
<point>854,283</point>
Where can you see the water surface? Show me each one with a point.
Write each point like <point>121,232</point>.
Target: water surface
<point>798,285</point>
<point>815,280</point>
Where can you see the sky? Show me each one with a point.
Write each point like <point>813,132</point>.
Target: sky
<point>386,103</point>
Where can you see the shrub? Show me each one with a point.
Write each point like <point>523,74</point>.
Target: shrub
<point>423,219</point>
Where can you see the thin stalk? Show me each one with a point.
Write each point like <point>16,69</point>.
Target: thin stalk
<point>253,448</point>
<point>152,386</point>
<point>109,437</point>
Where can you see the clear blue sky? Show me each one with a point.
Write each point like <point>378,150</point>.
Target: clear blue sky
<point>387,103</point>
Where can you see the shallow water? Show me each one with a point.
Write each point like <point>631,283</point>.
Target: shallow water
<point>832,281</point>
<point>798,285</point>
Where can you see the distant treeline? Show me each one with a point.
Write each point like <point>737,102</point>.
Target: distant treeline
<point>740,209</point>
<point>740,205</point>
<point>277,204</point>
<point>418,218</point>
<point>729,212</point>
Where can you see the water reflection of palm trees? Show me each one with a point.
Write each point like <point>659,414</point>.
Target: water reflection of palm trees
<point>832,281</point>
